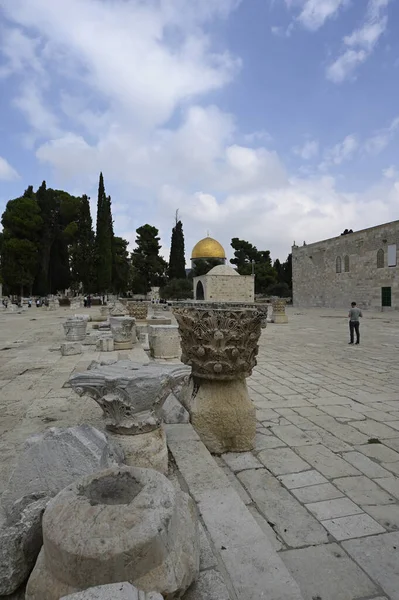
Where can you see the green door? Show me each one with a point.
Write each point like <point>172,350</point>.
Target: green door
<point>386,299</point>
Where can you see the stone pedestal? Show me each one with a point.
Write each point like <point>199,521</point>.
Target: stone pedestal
<point>221,346</point>
<point>119,525</point>
<point>222,414</point>
<point>123,332</point>
<point>75,329</point>
<point>164,341</point>
<point>104,311</point>
<point>147,450</point>
<point>279,316</point>
<point>53,304</point>
<point>105,344</point>
<point>71,348</point>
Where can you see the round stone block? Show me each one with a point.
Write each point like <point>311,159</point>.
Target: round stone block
<point>120,525</point>
<point>147,450</point>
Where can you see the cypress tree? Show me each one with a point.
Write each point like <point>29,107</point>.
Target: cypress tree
<point>83,252</point>
<point>104,241</point>
<point>177,261</point>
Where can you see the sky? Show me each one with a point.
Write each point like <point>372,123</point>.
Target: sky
<point>269,120</point>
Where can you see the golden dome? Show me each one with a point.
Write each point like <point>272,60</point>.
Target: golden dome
<point>208,248</point>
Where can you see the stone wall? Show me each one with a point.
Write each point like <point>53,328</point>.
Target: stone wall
<point>225,288</point>
<point>316,281</point>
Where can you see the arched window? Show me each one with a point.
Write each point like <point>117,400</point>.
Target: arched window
<point>346,264</point>
<point>380,258</point>
<point>338,265</point>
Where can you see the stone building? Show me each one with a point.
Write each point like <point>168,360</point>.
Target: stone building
<point>360,267</point>
<point>224,284</point>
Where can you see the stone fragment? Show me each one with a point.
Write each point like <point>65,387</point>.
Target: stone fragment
<point>164,341</point>
<point>114,591</point>
<point>123,332</point>
<point>132,526</point>
<point>174,412</point>
<point>20,543</point>
<point>105,344</point>
<point>71,348</point>
<point>327,572</point>
<point>52,460</point>
<point>147,450</point>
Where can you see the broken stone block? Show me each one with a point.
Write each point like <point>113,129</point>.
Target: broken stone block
<point>173,412</point>
<point>124,523</point>
<point>71,348</point>
<point>52,460</point>
<point>114,591</point>
<point>105,344</point>
<point>20,544</point>
<point>164,341</point>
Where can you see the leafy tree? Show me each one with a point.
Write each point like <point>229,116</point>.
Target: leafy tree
<point>83,248</point>
<point>19,263</point>
<point>177,289</point>
<point>177,260</point>
<point>121,273</point>
<point>201,266</point>
<point>22,218</point>
<point>149,269</point>
<point>104,239</point>
<point>248,259</point>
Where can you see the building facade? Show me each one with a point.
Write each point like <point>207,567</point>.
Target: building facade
<point>224,284</point>
<point>357,267</point>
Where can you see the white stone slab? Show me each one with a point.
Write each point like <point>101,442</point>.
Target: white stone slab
<point>282,460</point>
<point>379,452</point>
<point>292,521</point>
<point>355,526</point>
<point>264,441</point>
<point>365,465</point>
<point>330,509</point>
<point>390,484</point>
<point>292,435</point>
<point>387,516</point>
<point>327,573</point>
<point>374,429</point>
<point>379,557</point>
<point>239,461</point>
<point>326,461</point>
<point>317,493</point>
<point>299,480</point>
<point>363,491</point>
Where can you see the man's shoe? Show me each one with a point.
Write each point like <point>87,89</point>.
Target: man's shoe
<point>357,342</point>
<point>350,343</point>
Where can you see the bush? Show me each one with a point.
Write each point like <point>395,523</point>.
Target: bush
<point>177,289</point>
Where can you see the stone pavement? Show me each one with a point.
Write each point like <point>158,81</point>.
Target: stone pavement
<point>316,505</point>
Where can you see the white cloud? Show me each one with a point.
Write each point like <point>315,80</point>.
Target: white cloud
<point>360,44</point>
<point>309,150</point>
<point>315,13</point>
<point>380,140</point>
<point>391,172</point>
<point>7,172</point>
<point>340,153</point>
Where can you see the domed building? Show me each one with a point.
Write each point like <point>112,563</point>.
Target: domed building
<point>222,283</point>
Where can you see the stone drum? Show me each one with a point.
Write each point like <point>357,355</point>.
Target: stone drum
<point>75,329</point>
<point>120,525</point>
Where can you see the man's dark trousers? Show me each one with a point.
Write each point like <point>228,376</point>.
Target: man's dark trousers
<point>354,326</point>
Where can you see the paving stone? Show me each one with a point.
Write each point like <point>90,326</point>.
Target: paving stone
<point>392,443</point>
<point>374,429</point>
<point>392,466</point>
<point>355,526</point>
<point>267,441</point>
<point>387,516</point>
<point>327,572</point>
<point>239,461</point>
<point>390,484</point>
<point>379,557</point>
<point>342,411</point>
<point>330,509</point>
<point>292,435</point>
<point>236,484</point>
<point>365,465</point>
<point>266,528</point>
<point>282,460</point>
<point>291,521</point>
<point>299,480</point>
<point>326,461</point>
<point>345,433</point>
<point>208,586</point>
<point>207,557</point>
<point>379,451</point>
<point>363,491</point>
<point>266,414</point>
<point>317,493</point>
<point>320,436</point>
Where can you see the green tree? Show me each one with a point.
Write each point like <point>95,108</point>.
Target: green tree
<point>149,269</point>
<point>104,240</point>
<point>201,266</point>
<point>19,264</point>
<point>177,289</point>
<point>121,272</point>
<point>83,249</point>
<point>22,219</point>
<point>177,260</point>
<point>248,259</point>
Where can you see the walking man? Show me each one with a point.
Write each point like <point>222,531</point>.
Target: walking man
<point>354,325</point>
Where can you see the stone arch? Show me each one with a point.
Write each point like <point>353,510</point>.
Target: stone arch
<point>380,258</point>
<point>199,291</point>
<point>338,265</point>
<point>346,264</point>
